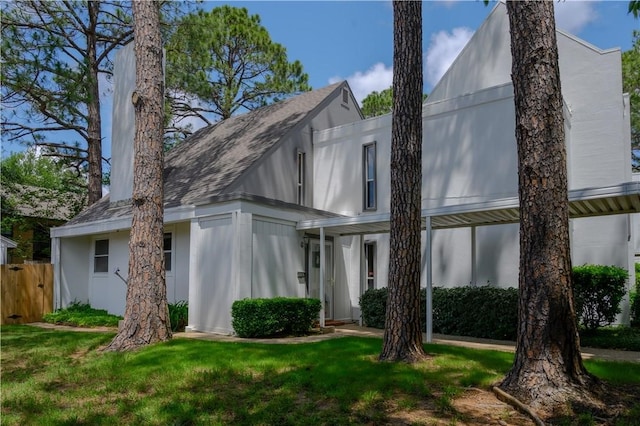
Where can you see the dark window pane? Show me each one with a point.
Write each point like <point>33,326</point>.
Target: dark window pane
<point>167,242</point>
<point>101,264</point>
<point>102,247</point>
<point>167,261</point>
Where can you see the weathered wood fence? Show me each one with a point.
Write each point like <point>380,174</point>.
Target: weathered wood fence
<point>27,292</point>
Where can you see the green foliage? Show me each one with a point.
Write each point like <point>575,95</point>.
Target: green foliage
<point>225,61</point>
<point>373,305</point>
<point>613,337</point>
<point>631,85</point>
<point>276,316</point>
<point>80,314</point>
<point>634,7</point>
<point>598,291</point>
<point>486,312</point>
<point>494,315</point>
<point>42,171</point>
<point>380,103</point>
<point>179,315</point>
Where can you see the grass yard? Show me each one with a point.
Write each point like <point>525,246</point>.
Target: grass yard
<point>61,378</point>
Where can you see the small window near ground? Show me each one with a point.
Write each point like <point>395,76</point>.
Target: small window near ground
<point>369,176</point>
<point>167,251</point>
<point>101,256</point>
<point>370,265</point>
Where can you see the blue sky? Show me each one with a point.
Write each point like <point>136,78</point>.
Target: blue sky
<point>353,40</point>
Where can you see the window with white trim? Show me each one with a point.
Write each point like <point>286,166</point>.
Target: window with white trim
<point>101,256</point>
<point>370,265</point>
<point>300,180</point>
<point>168,251</point>
<point>369,176</point>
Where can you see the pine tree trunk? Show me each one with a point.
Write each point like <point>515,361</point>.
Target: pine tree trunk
<point>146,318</point>
<point>94,121</point>
<point>403,335</point>
<point>548,370</point>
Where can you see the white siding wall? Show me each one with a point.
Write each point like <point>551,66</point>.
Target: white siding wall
<point>277,259</point>
<point>74,270</point>
<point>106,290</point>
<point>211,290</point>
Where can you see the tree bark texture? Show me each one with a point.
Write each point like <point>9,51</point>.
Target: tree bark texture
<point>547,372</point>
<point>146,318</point>
<point>403,335</point>
<point>94,121</point>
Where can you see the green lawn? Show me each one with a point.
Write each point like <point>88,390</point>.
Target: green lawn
<point>61,378</point>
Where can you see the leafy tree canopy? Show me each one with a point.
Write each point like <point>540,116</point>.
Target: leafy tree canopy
<point>631,85</point>
<point>224,61</point>
<point>30,169</point>
<point>380,103</point>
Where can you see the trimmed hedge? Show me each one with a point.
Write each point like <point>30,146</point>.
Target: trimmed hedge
<point>275,316</point>
<point>598,291</point>
<point>487,312</point>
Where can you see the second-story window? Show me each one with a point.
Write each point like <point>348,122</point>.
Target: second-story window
<point>300,182</point>
<point>369,176</point>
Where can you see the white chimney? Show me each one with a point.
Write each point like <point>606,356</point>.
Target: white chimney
<point>122,124</point>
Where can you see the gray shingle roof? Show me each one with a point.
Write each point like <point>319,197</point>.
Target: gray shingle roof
<point>211,159</point>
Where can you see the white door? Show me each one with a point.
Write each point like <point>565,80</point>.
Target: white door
<point>314,274</point>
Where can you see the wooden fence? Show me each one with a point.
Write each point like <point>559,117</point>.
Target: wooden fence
<point>27,292</point>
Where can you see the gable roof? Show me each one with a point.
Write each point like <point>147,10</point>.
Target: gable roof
<point>208,162</point>
<point>213,158</point>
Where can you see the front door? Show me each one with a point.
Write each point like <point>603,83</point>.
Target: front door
<point>314,274</point>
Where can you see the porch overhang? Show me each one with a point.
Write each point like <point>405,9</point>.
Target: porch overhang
<point>587,202</point>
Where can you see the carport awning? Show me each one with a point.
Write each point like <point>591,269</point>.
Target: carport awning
<point>587,202</point>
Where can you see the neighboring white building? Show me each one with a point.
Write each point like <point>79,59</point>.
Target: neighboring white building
<point>5,244</point>
<point>293,199</point>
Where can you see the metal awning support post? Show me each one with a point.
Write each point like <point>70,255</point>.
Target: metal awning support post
<point>429,319</point>
<point>322,272</point>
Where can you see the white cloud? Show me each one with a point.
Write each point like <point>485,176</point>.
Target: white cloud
<point>442,51</point>
<point>376,78</point>
<point>573,16</point>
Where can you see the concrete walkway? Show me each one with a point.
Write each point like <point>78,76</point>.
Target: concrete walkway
<point>356,330</point>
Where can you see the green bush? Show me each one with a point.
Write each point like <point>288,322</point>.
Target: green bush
<point>276,316</point>
<point>373,305</point>
<point>486,312</point>
<point>179,315</point>
<point>462,311</point>
<point>635,300</point>
<point>82,315</point>
<point>598,291</point>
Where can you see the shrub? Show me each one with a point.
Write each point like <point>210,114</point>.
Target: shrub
<point>373,305</point>
<point>486,312</point>
<point>79,314</point>
<point>493,313</point>
<point>598,291</point>
<point>276,316</point>
<point>179,315</point>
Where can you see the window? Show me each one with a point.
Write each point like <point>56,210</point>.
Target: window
<point>300,182</point>
<point>369,174</point>
<point>370,265</point>
<point>101,256</point>
<point>167,251</point>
